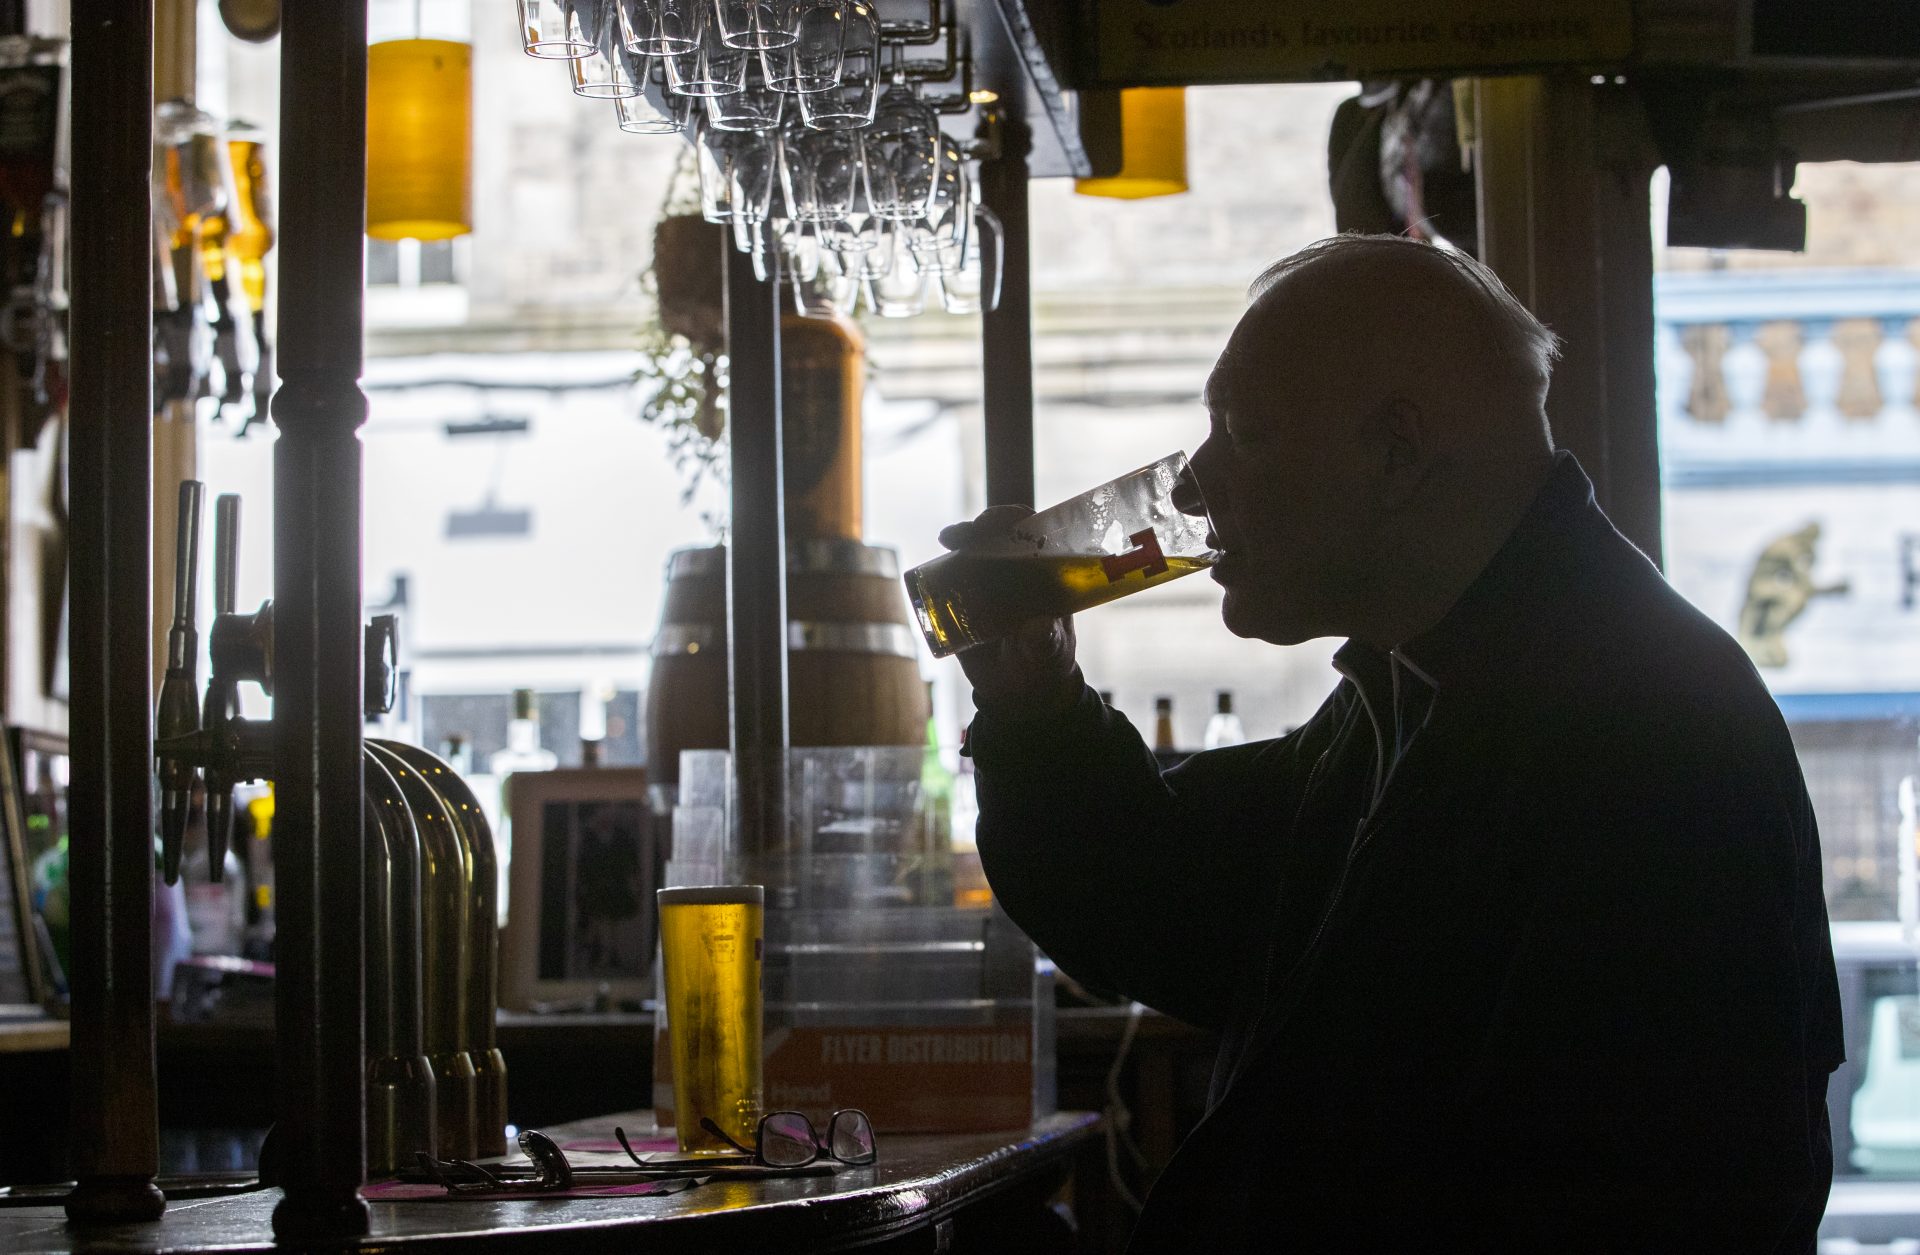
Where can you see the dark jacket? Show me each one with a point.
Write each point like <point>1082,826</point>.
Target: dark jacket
<point>1517,945</point>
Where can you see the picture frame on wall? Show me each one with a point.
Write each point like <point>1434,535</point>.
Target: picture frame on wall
<point>24,983</point>
<point>580,907</point>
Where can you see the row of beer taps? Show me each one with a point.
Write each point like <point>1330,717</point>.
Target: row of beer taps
<point>436,1081</point>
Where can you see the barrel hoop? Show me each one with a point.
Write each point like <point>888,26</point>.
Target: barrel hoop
<point>804,557</point>
<point>893,639</point>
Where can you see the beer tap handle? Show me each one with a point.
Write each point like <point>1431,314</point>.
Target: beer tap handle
<point>226,552</point>
<point>382,644</point>
<point>178,715</point>
<point>222,691</point>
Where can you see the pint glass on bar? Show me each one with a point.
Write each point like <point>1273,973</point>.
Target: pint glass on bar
<point>710,944</point>
<point>1141,530</point>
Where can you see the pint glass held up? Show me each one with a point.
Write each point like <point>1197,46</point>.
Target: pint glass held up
<point>710,954</point>
<point>1104,544</point>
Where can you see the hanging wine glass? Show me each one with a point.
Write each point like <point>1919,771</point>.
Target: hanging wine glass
<point>660,28</point>
<point>757,24</point>
<point>812,62</point>
<point>847,103</point>
<point>904,149</point>
<point>612,71</point>
<point>756,107</point>
<point>711,67</point>
<point>558,30</point>
<point>823,173</point>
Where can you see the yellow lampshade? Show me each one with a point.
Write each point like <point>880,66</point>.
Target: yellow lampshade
<point>1153,146</point>
<point>419,139</point>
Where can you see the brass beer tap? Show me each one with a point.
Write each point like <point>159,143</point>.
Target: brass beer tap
<point>436,1081</point>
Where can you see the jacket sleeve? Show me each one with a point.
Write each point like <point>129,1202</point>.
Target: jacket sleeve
<point>1149,885</point>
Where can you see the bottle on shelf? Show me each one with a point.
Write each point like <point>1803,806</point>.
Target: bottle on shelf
<point>458,751</point>
<point>524,751</point>
<point>523,754</point>
<point>936,791</point>
<point>1224,728</point>
<point>1163,725</point>
<point>216,910</point>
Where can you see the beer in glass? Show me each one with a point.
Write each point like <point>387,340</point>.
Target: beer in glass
<point>710,954</point>
<point>1144,529</point>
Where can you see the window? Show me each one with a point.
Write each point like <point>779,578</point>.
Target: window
<point>1790,455</point>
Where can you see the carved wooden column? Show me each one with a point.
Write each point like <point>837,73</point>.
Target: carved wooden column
<point>318,837</point>
<point>115,1135</point>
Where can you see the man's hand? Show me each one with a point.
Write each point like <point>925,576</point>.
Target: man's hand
<point>1030,669</point>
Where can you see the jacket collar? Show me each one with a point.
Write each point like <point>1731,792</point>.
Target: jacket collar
<point>1501,611</point>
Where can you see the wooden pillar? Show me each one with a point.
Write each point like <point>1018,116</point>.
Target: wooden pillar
<point>756,557</point>
<point>1563,168</point>
<point>115,1134</point>
<point>1006,333</point>
<point>318,837</point>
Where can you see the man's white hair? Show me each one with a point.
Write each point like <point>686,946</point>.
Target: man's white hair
<point>1517,339</point>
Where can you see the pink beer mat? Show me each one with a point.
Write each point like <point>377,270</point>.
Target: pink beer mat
<point>415,1192</point>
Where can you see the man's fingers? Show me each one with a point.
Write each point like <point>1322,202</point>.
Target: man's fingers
<point>984,526</point>
<point>1000,518</point>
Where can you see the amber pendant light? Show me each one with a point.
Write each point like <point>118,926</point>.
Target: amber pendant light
<point>1153,146</point>
<point>419,139</point>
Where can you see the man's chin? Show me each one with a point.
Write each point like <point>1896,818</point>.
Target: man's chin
<point>1246,617</point>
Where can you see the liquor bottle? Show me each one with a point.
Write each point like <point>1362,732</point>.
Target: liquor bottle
<point>1163,725</point>
<point>936,791</point>
<point>216,910</point>
<point>458,752</point>
<point>523,752</point>
<point>1224,727</point>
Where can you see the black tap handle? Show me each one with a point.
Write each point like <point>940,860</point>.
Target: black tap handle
<point>222,704</point>
<point>179,713</point>
<point>226,552</point>
<point>381,676</point>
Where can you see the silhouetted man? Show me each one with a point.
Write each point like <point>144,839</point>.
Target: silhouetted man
<point>1519,943</point>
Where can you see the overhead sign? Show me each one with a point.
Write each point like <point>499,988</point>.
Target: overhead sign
<point>1137,43</point>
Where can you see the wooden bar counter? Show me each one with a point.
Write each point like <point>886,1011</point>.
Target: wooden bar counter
<point>949,1192</point>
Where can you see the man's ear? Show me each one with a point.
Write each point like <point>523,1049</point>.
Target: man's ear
<point>1402,443</point>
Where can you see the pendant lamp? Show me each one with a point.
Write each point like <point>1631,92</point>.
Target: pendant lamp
<point>1153,146</point>
<point>419,139</point>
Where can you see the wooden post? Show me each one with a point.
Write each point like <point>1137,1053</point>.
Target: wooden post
<point>115,1134</point>
<point>1563,170</point>
<point>318,835</point>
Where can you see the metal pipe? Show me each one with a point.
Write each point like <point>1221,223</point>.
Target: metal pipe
<point>1006,333</point>
<point>319,833</point>
<point>483,943</point>
<point>756,559</point>
<point>400,1085</point>
<point>115,1132</point>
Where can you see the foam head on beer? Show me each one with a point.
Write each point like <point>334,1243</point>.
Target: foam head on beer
<point>711,944</point>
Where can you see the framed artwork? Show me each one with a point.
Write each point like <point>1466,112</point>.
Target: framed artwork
<point>32,824</point>
<point>581,876</point>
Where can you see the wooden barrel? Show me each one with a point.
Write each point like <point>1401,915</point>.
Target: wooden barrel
<point>853,656</point>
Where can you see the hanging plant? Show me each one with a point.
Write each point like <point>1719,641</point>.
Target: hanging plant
<point>683,371</point>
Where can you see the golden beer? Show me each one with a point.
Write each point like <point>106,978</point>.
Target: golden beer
<point>964,599</point>
<point>710,953</point>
